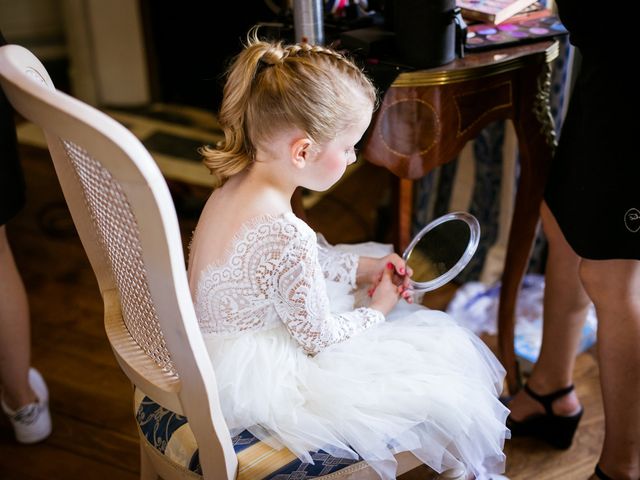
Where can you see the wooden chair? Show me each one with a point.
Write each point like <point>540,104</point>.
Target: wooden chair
<point>127,223</point>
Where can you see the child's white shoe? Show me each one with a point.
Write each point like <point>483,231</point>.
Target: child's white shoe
<point>32,423</point>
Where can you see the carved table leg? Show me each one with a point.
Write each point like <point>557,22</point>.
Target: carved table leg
<point>405,210</point>
<point>534,127</point>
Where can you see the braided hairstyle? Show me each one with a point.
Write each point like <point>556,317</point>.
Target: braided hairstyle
<point>272,87</point>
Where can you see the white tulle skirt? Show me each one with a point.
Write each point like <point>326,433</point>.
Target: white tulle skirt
<point>418,382</point>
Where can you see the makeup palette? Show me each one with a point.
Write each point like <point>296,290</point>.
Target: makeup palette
<point>484,36</point>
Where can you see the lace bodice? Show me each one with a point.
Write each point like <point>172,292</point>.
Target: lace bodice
<point>276,272</point>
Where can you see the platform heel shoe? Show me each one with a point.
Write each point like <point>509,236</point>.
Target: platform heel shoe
<point>556,430</point>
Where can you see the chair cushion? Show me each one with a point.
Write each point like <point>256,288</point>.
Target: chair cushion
<point>169,433</point>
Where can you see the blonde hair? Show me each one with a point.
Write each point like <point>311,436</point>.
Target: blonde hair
<point>272,87</point>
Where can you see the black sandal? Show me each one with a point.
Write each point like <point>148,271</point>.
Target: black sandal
<point>556,430</point>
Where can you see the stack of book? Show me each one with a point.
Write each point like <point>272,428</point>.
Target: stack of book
<point>497,11</point>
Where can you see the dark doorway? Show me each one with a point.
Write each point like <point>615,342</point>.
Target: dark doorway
<point>190,43</point>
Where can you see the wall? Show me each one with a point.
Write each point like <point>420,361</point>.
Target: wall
<point>96,45</point>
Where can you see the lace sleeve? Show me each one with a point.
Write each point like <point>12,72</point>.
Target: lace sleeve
<point>302,301</point>
<point>336,265</point>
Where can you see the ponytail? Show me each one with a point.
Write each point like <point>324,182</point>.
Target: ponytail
<point>236,152</point>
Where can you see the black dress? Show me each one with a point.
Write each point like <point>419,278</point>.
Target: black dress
<point>594,184</point>
<point>12,187</point>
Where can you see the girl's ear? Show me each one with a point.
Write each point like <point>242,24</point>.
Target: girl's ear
<point>301,151</point>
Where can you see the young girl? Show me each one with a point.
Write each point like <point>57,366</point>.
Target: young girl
<point>297,363</point>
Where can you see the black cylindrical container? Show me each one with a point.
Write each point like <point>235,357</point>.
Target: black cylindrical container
<point>425,31</point>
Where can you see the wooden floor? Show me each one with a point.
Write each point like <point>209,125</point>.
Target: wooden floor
<point>94,433</point>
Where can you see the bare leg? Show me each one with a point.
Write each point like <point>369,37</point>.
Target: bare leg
<point>565,307</point>
<point>614,287</point>
<point>15,350</point>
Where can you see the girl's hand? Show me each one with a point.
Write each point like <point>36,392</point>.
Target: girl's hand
<point>370,269</point>
<point>385,293</point>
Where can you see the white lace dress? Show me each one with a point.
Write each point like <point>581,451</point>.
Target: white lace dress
<point>298,366</point>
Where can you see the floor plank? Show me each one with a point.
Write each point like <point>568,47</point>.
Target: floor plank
<point>48,462</point>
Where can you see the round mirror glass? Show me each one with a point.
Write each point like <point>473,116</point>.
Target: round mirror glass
<point>441,250</point>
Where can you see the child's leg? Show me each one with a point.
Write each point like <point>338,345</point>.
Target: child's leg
<point>15,350</point>
<point>565,308</point>
<point>614,287</point>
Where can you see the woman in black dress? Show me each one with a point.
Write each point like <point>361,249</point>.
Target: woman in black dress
<point>591,217</point>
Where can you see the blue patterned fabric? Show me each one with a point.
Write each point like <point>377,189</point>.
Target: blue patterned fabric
<point>158,425</point>
<point>324,464</point>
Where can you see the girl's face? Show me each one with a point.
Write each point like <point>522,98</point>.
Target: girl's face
<point>332,159</point>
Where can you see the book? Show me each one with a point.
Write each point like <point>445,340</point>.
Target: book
<point>533,11</point>
<point>492,11</point>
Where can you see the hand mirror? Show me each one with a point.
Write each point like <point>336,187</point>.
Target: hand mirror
<point>441,250</point>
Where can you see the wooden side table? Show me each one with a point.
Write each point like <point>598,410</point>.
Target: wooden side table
<point>427,116</point>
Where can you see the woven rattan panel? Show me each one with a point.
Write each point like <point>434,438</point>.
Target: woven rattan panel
<point>117,230</point>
